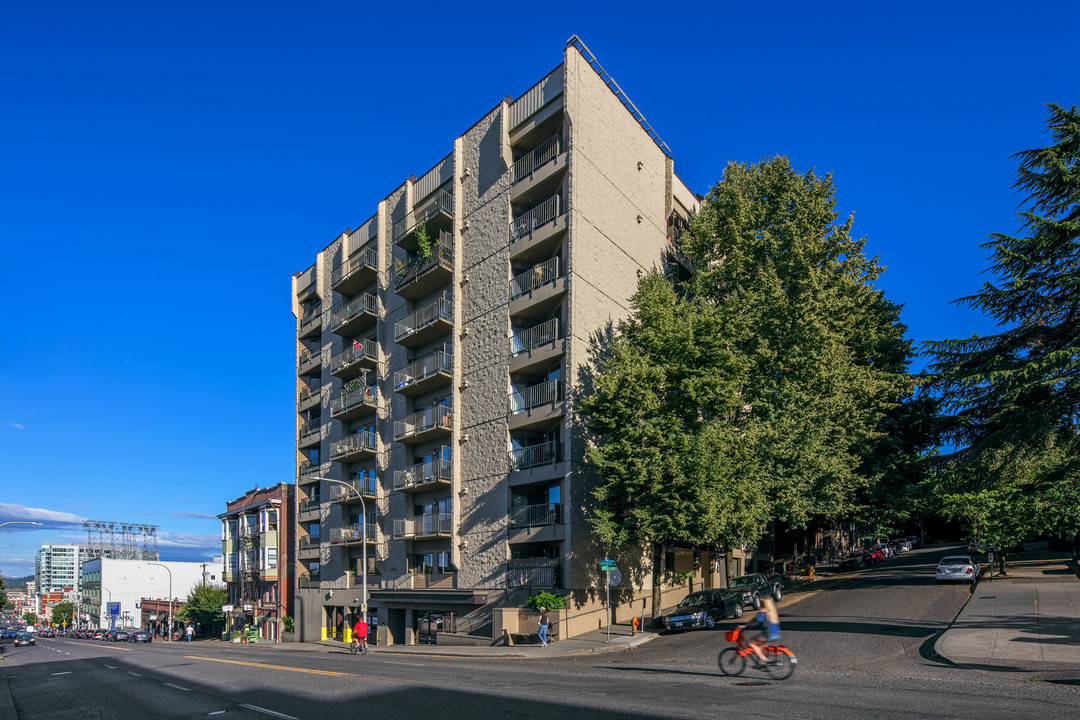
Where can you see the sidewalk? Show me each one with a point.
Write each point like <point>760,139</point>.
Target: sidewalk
<point>1031,616</point>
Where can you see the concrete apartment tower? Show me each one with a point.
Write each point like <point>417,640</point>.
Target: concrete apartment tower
<point>438,351</point>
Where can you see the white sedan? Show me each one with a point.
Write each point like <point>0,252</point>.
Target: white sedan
<point>957,568</point>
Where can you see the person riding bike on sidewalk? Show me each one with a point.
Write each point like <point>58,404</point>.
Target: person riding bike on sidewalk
<point>768,621</point>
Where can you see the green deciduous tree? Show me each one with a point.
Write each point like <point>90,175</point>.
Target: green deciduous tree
<point>62,614</point>
<point>203,606</point>
<point>29,618</point>
<point>1012,397</point>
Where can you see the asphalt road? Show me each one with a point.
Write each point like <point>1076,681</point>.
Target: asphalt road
<point>864,644</point>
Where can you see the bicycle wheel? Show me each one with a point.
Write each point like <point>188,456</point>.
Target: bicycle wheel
<point>731,662</point>
<point>363,648</point>
<point>353,648</point>
<point>781,665</point>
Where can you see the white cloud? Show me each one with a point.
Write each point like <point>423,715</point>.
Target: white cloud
<point>12,426</point>
<point>201,516</point>
<point>50,519</point>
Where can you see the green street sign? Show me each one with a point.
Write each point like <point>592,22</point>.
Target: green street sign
<point>607,565</point>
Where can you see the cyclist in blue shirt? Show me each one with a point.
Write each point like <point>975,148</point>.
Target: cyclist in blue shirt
<point>768,621</point>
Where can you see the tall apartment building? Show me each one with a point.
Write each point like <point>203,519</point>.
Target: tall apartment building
<point>56,566</point>
<point>439,346</point>
<point>256,540</point>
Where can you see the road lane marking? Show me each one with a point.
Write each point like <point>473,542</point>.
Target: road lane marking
<point>134,673</point>
<point>178,687</point>
<point>101,645</point>
<point>62,673</point>
<point>256,708</point>
<point>218,712</point>
<point>111,667</point>
<point>299,670</point>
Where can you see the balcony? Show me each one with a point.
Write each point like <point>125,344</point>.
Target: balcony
<point>538,231</point>
<point>309,398</point>
<point>426,374</point>
<point>354,359</point>
<point>308,509</point>
<point>537,463</point>
<point>308,580</point>
<point>305,472</point>
<point>353,535</point>
<point>423,526</point>
<point>536,292</point>
<point>354,447</point>
<point>354,402</point>
<point>538,347</point>
<point>308,362</point>
<point>427,323</point>
<point>536,515</point>
<point>540,169</point>
<point>354,316</point>
<point>537,573</point>
<point>436,213</point>
<point>308,549</point>
<point>310,324</point>
<point>367,488</point>
<point>421,276</point>
<point>424,476</point>
<point>429,424</point>
<point>356,273</point>
<point>536,406</point>
<point>310,432</point>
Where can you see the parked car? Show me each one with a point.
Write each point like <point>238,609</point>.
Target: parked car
<point>140,636</point>
<point>903,544</point>
<point>24,639</point>
<point>957,568</point>
<point>120,635</point>
<point>47,633</point>
<point>702,609</point>
<point>754,587</point>
<point>876,555</point>
<point>914,540</point>
<point>97,635</point>
<point>856,561</point>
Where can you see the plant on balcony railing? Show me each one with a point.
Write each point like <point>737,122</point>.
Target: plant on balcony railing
<point>354,392</point>
<point>439,253</point>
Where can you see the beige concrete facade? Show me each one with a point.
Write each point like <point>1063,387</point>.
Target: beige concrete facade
<point>463,443</point>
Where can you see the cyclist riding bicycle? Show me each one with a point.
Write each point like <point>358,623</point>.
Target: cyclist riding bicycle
<point>768,621</point>
<point>360,631</point>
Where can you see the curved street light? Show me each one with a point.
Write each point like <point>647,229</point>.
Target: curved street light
<point>168,636</point>
<point>20,522</point>
<point>363,526</point>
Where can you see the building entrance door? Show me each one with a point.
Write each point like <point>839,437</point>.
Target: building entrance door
<point>430,623</point>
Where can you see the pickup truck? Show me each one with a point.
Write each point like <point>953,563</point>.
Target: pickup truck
<point>756,586</point>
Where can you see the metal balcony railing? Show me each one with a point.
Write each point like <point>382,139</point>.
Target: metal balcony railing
<point>441,254</point>
<point>423,525</point>
<point>308,580</point>
<point>308,468</point>
<point>364,440</point>
<point>534,456</point>
<point>536,515</point>
<point>308,545</point>
<point>440,202</point>
<point>310,428</point>
<point>362,395</point>
<point>433,364</point>
<point>354,533</point>
<point>307,356</point>
<point>309,393</point>
<point>536,277</point>
<point>545,212</point>
<point>307,320</point>
<point>309,505</point>
<point>546,393</point>
<point>439,416</point>
<point>544,153</point>
<point>438,469</point>
<point>366,303</point>
<point>358,350</point>
<point>532,572</point>
<point>438,309</point>
<point>362,487</point>
<point>543,334</point>
<point>366,258</point>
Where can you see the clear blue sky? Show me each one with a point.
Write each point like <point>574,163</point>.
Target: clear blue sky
<point>165,168</point>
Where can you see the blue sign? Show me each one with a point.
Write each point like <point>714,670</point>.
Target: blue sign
<point>114,609</point>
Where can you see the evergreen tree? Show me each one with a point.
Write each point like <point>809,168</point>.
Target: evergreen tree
<point>1012,397</point>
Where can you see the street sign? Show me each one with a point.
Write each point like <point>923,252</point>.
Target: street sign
<point>114,609</point>
<point>614,577</point>
<point>226,609</point>
<point>606,565</point>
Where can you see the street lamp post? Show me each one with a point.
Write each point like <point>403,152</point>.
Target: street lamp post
<point>363,526</point>
<point>111,626</point>
<point>168,636</point>
<point>20,522</point>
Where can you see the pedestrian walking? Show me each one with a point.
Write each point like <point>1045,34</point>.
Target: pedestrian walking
<point>190,631</point>
<point>543,627</point>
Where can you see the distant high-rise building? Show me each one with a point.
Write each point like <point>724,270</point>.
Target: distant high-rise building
<point>56,566</point>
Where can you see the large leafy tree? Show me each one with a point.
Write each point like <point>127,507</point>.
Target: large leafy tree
<point>203,606</point>
<point>758,393</point>
<point>62,614</point>
<point>1012,397</point>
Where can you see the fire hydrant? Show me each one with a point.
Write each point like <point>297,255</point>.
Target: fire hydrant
<point>633,625</point>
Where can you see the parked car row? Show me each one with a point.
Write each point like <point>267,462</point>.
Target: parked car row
<point>118,635</point>
<point>704,608</point>
<point>878,553</point>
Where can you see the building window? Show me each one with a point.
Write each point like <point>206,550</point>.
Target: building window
<point>271,557</point>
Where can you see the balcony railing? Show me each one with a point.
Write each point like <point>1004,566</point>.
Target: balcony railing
<point>308,580</point>
<point>532,572</point>
<point>547,393</point>
<point>543,334</point>
<point>423,525</point>
<point>308,505</point>
<point>441,202</point>
<point>534,456</point>
<point>536,277</point>
<point>545,212</point>
<point>309,320</point>
<point>308,468</point>
<point>439,416</point>
<point>364,395</point>
<point>361,487</point>
<point>365,440</point>
<point>436,470</point>
<point>308,545</point>
<point>427,366</point>
<point>310,428</point>
<point>366,303</point>
<point>307,356</point>
<point>442,254</point>
<point>359,350</point>
<point>367,258</point>
<point>434,311</point>
<point>546,152</point>
<point>309,393</point>
<point>536,515</point>
<point>354,533</point>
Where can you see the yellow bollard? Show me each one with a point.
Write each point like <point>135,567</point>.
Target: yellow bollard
<point>346,636</point>
<point>322,634</point>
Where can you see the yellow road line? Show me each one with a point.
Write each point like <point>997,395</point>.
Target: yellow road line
<point>110,647</point>
<point>291,669</point>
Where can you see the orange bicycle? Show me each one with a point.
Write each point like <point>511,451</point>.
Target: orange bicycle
<point>358,645</point>
<point>733,660</point>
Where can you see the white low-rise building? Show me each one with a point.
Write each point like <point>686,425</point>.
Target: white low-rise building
<point>125,582</point>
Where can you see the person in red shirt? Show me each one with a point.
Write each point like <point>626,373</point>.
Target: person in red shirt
<point>360,631</point>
